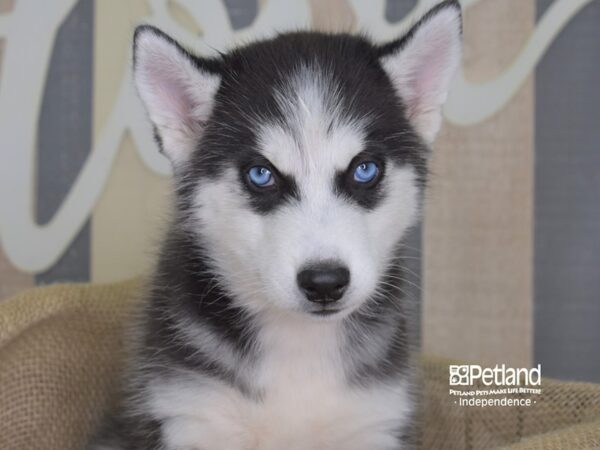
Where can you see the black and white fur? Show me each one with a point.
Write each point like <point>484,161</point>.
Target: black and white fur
<point>229,353</point>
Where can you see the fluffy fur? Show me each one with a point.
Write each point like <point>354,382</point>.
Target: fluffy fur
<point>229,353</point>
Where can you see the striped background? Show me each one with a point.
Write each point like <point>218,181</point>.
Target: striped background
<point>509,253</point>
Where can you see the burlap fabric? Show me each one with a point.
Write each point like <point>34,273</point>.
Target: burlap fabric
<point>61,348</point>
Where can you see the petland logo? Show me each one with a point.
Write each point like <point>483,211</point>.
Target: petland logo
<point>467,375</point>
<point>473,385</point>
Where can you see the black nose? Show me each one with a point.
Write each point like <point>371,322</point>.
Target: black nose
<point>324,283</point>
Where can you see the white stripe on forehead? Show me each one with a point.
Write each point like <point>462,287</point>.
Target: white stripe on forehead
<point>316,135</point>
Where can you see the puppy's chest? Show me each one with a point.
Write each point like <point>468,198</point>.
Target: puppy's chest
<point>304,394</point>
<point>305,402</point>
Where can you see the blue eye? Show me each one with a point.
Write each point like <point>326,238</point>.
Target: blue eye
<point>366,172</point>
<point>260,176</point>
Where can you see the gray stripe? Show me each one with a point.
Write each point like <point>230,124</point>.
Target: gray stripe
<point>396,10</point>
<point>64,133</point>
<point>567,202</point>
<point>413,260</point>
<point>241,12</point>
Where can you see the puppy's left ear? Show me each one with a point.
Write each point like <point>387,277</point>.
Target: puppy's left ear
<point>177,89</point>
<point>422,63</point>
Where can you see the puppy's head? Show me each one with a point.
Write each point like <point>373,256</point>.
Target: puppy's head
<point>299,160</point>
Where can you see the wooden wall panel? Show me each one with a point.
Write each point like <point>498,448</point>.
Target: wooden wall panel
<point>477,254</point>
<point>126,222</point>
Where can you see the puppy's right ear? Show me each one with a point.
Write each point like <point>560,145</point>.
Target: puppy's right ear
<point>177,89</point>
<point>421,65</point>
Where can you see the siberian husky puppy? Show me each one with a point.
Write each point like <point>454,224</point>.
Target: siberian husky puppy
<point>276,318</point>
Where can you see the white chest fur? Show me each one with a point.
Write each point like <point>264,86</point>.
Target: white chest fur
<point>306,402</point>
